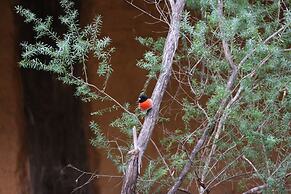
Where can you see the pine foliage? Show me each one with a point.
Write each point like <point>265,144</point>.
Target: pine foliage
<point>65,56</point>
<point>62,54</point>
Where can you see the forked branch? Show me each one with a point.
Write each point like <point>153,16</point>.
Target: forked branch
<point>219,116</point>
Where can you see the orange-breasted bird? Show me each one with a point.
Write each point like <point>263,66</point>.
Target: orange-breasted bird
<point>145,103</point>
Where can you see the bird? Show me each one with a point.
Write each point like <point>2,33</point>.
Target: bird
<point>145,103</point>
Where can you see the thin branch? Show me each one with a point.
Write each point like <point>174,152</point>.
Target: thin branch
<point>262,187</point>
<point>85,70</point>
<point>204,112</point>
<point>256,189</point>
<point>108,96</point>
<point>250,163</point>
<point>163,159</point>
<point>145,12</point>
<point>221,172</point>
<point>92,177</point>
<point>264,42</point>
<point>218,132</point>
<point>190,75</point>
<point>229,86</point>
<point>230,178</point>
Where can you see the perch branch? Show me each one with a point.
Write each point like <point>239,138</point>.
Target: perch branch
<point>171,44</point>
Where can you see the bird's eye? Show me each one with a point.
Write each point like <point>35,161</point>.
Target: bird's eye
<point>139,99</point>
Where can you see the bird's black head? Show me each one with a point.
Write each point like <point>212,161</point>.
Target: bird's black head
<point>142,98</point>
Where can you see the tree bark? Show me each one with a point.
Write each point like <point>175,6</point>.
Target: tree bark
<point>171,44</point>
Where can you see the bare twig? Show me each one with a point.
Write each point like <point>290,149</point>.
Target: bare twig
<point>287,158</point>
<point>250,163</point>
<point>204,112</point>
<point>222,155</point>
<point>256,189</point>
<point>134,137</point>
<point>146,12</point>
<point>190,75</point>
<point>163,159</point>
<point>263,186</point>
<point>91,174</point>
<point>230,178</point>
<point>221,172</point>
<point>161,12</point>
<point>85,70</point>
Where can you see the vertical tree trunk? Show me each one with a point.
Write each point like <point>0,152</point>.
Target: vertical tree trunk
<point>171,44</point>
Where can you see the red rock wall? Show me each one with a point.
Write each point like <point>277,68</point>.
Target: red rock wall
<point>13,160</point>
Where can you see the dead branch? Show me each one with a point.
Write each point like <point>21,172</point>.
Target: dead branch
<point>171,44</point>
